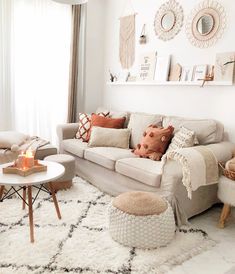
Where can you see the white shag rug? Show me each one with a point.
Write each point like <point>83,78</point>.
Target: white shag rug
<point>80,242</point>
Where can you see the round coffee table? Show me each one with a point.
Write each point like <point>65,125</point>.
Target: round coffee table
<point>36,180</point>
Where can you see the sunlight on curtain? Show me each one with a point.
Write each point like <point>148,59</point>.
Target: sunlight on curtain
<point>41,46</point>
<point>5,65</point>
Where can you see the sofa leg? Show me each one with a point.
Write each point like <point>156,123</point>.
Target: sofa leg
<point>224,215</point>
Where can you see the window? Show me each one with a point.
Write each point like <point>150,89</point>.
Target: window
<point>40,54</point>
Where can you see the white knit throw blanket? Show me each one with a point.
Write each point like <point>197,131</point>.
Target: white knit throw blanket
<point>199,167</point>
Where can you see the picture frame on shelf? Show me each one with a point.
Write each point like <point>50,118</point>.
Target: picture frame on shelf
<point>147,66</point>
<point>187,74</point>
<point>224,67</point>
<point>162,68</point>
<point>200,72</point>
<point>132,78</point>
<point>175,72</point>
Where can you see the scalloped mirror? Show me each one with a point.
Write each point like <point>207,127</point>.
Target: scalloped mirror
<point>206,24</point>
<point>168,20</point>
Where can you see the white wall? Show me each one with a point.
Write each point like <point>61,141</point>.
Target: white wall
<point>94,54</point>
<point>209,102</point>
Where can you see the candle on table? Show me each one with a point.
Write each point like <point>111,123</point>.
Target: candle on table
<point>20,163</point>
<point>29,158</point>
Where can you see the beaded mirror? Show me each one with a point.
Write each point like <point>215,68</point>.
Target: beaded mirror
<point>168,20</point>
<point>206,24</point>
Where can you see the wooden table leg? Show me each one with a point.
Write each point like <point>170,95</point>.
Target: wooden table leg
<point>224,215</point>
<point>1,191</point>
<point>24,197</point>
<point>55,200</point>
<point>30,214</point>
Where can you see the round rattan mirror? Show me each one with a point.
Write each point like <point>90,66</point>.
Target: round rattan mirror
<point>168,20</point>
<point>205,24</point>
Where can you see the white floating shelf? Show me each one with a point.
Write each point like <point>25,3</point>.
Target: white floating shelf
<point>170,83</point>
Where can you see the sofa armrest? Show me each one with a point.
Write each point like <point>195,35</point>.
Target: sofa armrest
<point>172,171</point>
<point>223,151</point>
<point>66,131</point>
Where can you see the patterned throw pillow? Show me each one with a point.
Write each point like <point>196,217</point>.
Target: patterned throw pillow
<point>154,142</point>
<point>183,138</point>
<point>84,125</point>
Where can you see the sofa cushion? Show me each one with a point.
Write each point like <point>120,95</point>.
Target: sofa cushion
<point>143,170</point>
<point>109,137</point>
<point>107,156</point>
<point>74,146</point>
<point>207,131</point>
<point>138,124</point>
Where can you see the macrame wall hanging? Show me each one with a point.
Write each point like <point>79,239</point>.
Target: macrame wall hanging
<point>127,41</point>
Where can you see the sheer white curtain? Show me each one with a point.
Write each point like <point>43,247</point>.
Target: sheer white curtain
<point>5,65</point>
<point>42,32</point>
<point>40,49</point>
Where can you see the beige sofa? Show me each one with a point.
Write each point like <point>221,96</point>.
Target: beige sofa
<point>115,170</point>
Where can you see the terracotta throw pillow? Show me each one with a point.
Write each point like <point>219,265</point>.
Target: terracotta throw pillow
<point>154,142</point>
<point>99,121</point>
<point>84,124</point>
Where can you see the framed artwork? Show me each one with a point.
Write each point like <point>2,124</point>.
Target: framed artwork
<point>224,66</point>
<point>200,72</point>
<point>147,66</point>
<point>175,72</point>
<point>162,68</point>
<point>187,74</point>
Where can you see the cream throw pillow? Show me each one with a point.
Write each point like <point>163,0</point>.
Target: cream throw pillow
<point>11,138</point>
<point>109,137</point>
<point>183,138</point>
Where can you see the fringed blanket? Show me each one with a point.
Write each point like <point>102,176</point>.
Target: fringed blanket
<point>6,155</point>
<point>199,166</point>
<point>34,143</point>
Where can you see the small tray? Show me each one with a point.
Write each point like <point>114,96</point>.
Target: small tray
<point>13,169</point>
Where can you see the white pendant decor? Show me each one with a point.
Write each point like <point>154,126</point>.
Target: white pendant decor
<point>168,20</point>
<point>71,2</point>
<point>206,24</point>
<point>127,41</point>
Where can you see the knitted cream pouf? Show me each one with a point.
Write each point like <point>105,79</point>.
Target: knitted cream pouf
<point>141,219</point>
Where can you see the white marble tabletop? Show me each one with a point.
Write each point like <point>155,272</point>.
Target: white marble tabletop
<point>54,171</point>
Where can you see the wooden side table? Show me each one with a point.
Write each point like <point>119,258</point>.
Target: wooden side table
<point>226,193</point>
<point>25,184</point>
